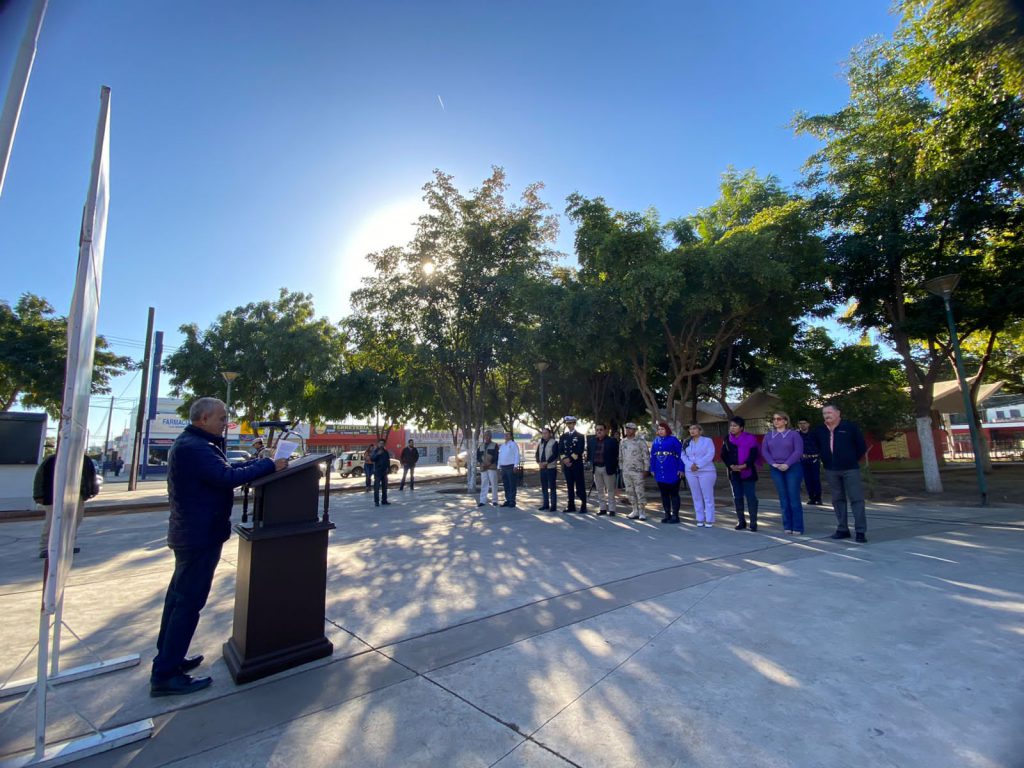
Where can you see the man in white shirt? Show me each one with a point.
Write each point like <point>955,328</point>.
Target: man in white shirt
<point>508,460</point>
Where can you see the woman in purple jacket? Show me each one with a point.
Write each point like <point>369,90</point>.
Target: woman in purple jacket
<point>782,449</point>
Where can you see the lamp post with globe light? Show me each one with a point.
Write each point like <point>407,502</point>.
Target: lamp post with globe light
<point>944,287</point>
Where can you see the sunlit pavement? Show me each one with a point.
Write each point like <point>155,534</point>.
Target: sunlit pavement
<point>469,636</point>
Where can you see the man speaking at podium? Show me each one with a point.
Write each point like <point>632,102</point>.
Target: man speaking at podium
<point>200,489</point>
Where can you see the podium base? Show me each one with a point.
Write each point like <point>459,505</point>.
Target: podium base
<point>245,670</point>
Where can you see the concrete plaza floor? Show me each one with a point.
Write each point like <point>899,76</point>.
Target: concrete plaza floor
<point>469,636</point>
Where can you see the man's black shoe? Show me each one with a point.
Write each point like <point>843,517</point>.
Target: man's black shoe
<point>479,503</point>
<point>611,513</point>
<point>376,504</point>
<point>753,527</point>
<point>385,503</point>
<point>667,519</point>
<point>178,685</point>
<point>861,538</point>
<point>541,509</point>
<point>583,510</point>
<point>840,535</point>
<point>569,509</point>
<point>191,663</point>
<point>740,526</point>
<point>602,512</point>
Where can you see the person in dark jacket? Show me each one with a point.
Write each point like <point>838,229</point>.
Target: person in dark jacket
<point>547,461</point>
<point>811,462</point>
<point>842,447</point>
<point>603,455</point>
<point>42,494</point>
<point>200,484</point>
<point>571,446</point>
<point>408,457</point>
<point>381,458</point>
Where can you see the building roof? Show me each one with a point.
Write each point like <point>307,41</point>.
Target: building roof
<point>948,398</point>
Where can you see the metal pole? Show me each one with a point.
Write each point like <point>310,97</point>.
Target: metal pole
<point>19,84</point>
<point>968,406</point>
<point>133,472</point>
<point>106,443</point>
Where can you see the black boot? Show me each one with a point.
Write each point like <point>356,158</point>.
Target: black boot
<point>742,524</point>
<point>753,522</point>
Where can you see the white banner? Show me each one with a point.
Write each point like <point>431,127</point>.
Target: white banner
<point>74,417</point>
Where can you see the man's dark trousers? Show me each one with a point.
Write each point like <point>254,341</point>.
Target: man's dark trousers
<point>548,481</point>
<point>186,596</point>
<point>508,482</point>
<point>574,485</point>
<point>380,488</point>
<point>812,478</point>
<point>410,470</point>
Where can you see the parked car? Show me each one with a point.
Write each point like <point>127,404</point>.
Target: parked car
<point>458,461</point>
<point>351,464</point>
<point>234,455</point>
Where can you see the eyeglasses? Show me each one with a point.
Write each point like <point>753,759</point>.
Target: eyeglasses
<point>779,418</point>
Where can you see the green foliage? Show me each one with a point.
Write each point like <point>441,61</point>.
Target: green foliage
<point>33,356</point>
<point>867,387</point>
<point>285,356</point>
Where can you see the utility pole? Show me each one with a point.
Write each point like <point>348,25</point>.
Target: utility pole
<point>133,472</point>
<point>106,443</point>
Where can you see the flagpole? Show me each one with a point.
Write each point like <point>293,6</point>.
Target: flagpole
<point>18,85</point>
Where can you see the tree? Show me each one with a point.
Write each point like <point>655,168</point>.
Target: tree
<point>919,176</point>
<point>747,262</point>
<point>459,289</point>
<point>283,353</point>
<point>33,356</point>
<point>866,386</point>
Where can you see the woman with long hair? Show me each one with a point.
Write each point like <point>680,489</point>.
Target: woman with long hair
<point>667,468</point>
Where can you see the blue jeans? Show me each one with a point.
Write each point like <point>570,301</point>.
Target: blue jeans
<point>548,483</point>
<point>186,596</point>
<point>788,486</point>
<point>508,482</point>
<point>744,489</point>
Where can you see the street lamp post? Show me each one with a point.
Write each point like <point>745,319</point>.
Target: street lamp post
<point>229,376</point>
<point>944,287</point>
<point>541,366</point>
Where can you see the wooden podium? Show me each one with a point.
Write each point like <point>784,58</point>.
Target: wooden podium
<point>281,586</point>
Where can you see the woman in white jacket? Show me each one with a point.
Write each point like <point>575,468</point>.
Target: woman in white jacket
<point>699,459</point>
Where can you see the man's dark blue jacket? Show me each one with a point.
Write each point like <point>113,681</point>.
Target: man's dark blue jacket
<point>200,487</point>
<point>849,446</point>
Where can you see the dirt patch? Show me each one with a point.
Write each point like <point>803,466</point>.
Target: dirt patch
<point>959,486</point>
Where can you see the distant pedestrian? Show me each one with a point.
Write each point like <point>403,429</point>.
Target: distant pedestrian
<point>739,454</point>
<point>487,460</point>
<point>571,447</point>
<point>810,461</point>
<point>603,455</point>
<point>842,448</point>
<point>782,449</point>
<point>635,460</point>
<point>667,468</point>
<point>547,462</point>
<point>699,461</point>
<point>409,456</point>
<point>381,458</point>
<point>508,460</point>
<point>368,468</point>
<point>257,448</point>
<point>42,494</point>
<point>118,467</point>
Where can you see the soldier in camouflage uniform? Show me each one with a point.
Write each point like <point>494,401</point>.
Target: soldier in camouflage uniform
<point>635,461</point>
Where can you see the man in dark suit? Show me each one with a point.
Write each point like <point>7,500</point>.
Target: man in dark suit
<point>603,454</point>
<point>842,447</point>
<point>571,447</point>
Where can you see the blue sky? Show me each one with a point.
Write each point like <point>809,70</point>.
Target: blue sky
<point>259,145</point>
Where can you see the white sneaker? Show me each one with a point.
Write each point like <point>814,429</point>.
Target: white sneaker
<point>700,525</point>
<point>709,525</point>
<point>642,516</point>
<point>634,516</point>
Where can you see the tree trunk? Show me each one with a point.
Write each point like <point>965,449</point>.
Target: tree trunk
<point>929,460</point>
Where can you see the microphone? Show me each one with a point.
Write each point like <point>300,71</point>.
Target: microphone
<point>271,424</point>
